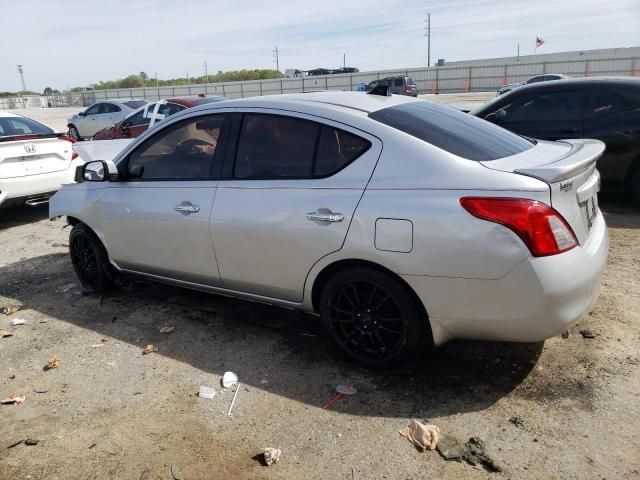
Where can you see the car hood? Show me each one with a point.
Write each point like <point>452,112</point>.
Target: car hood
<point>101,149</point>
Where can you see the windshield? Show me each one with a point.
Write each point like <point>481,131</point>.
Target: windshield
<point>135,103</point>
<point>449,129</point>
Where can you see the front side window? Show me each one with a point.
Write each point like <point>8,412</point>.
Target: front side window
<point>556,106</point>
<point>397,82</point>
<point>410,81</point>
<point>183,151</point>
<point>110,108</point>
<point>93,109</point>
<point>539,78</point>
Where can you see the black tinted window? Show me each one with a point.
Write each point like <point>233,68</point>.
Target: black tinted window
<point>93,109</point>
<point>137,119</point>
<point>410,81</point>
<point>169,109</point>
<point>110,108</point>
<point>273,146</point>
<point>397,82</point>
<point>451,130</point>
<point>183,151</point>
<point>602,102</point>
<point>543,107</point>
<point>337,149</point>
<point>10,126</point>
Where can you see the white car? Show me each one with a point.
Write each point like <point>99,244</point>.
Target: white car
<point>34,160</point>
<point>100,115</point>
<point>402,223</point>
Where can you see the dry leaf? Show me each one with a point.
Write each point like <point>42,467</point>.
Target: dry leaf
<point>54,362</point>
<point>9,309</point>
<point>149,349</point>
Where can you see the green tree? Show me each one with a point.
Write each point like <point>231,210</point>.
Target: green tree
<point>144,77</point>
<point>132,81</point>
<point>48,91</point>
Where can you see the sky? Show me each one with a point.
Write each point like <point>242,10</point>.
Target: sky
<point>68,43</point>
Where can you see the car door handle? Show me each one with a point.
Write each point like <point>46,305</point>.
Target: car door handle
<point>187,209</point>
<point>325,216</point>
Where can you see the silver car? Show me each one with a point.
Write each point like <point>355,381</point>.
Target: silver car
<point>402,223</point>
<point>100,115</point>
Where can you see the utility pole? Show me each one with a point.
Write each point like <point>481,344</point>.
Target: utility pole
<point>156,79</point>
<point>344,60</point>
<point>206,71</point>
<point>275,55</point>
<point>24,88</point>
<point>518,57</point>
<point>428,35</point>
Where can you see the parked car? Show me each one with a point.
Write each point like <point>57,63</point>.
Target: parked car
<point>400,85</point>
<point>147,116</point>
<point>537,79</point>
<point>607,109</point>
<point>100,115</point>
<point>377,213</point>
<point>319,71</point>
<point>34,160</point>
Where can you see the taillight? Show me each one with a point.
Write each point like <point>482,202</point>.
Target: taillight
<point>540,227</point>
<point>74,155</point>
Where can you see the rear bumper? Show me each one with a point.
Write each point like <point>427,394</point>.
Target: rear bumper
<point>538,299</point>
<point>33,185</point>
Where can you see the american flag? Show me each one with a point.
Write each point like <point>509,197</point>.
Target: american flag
<point>539,42</point>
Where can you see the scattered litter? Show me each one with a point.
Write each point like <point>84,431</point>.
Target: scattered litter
<point>14,398</point>
<point>175,472</point>
<point>15,444</point>
<point>149,349</point>
<point>308,334</point>
<point>56,244</point>
<point>18,321</point>
<point>111,364</point>
<point>271,455</point>
<point>40,390</point>
<point>473,452</point>
<point>233,400</point>
<point>12,376</point>
<point>587,334</point>
<point>342,391</point>
<point>264,381</point>
<point>99,344</point>
<point>167,329</point>
<point>229,379</point>
<point>165,308</point>
<point>5,333</point>
<point>517,421</point>
<point>31,441</point>
<point>206,392</point>
<point>424,437</point>
<point>565,334</point>
<point>54,362</point>
<point>11,309</point>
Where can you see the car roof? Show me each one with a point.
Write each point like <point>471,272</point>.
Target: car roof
<point>8,114</point>
<point>191,100</point>
<point>356,101</point>
<point>568,83</point>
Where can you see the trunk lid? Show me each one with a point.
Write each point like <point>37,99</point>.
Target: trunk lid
<point>569,168</point>
<point>33,155</point>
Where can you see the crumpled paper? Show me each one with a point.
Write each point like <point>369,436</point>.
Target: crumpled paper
<point>424,437</point>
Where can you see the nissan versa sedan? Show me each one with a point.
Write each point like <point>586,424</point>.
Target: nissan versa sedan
<point>100,115</point>
<point>402,223</point>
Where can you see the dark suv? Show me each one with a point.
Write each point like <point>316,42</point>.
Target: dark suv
<point>606,109</point>
<point>399,85</point>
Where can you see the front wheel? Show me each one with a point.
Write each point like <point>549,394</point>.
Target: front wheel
<point>89,259</point>
<point>372,318</point>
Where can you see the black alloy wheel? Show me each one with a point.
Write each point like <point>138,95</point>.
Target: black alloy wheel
<point>89,259</point>
<point>372,318</point>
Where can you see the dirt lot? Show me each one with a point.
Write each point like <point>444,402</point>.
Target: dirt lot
<point>111,412</point>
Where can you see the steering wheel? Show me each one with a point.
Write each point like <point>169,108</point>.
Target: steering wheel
<point>187,146</point>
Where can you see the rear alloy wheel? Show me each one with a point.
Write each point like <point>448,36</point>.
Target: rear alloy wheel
<point>73,133</point>
<point>89,259</point>
<point>372,318</point>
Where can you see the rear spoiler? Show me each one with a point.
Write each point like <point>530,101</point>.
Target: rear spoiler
<point>583,154</point>
<point>35,136</point>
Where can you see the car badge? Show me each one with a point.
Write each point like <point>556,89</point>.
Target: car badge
<point>566,186</point>
<point>30,148</point>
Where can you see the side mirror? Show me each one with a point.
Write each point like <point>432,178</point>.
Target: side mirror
<point>98,171</point>
<point>81,114</point>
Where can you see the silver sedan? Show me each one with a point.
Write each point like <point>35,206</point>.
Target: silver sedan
<point>100,115</point>
<point>402,223</point>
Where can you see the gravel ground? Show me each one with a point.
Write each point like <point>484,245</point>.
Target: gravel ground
<point>112,412</point>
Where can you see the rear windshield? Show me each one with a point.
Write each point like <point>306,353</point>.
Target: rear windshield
<point>454,131</point>
<point>16,126</point>
<point>135,103</point>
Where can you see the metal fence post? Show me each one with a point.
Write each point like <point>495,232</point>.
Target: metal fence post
<point>633,67</point>
<point>586,68</point>
<point>326,83</point>
<point>469,82</point>
<point>504,76</point>
<point>241,91</point>
<point>437,80</point>
<point>281,90</point>
<point>351,82</point>
<point>260,87</point>
<point>544,67</point>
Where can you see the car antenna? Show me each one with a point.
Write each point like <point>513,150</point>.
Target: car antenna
<point>382,90</point>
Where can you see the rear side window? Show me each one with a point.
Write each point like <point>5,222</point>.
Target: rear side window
<point>397,82</point>
<point>109,108</point>
<point>275,146</point>
<point>554,106</point>
<point>10,126</point>
<point>602,102</point>
<point>135,103</point>
<point>456,132</point>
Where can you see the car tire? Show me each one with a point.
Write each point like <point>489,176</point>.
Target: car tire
<point>372,317</point>
<point>89,259</point>
<point>634,187</point>
<point>73,133</point>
